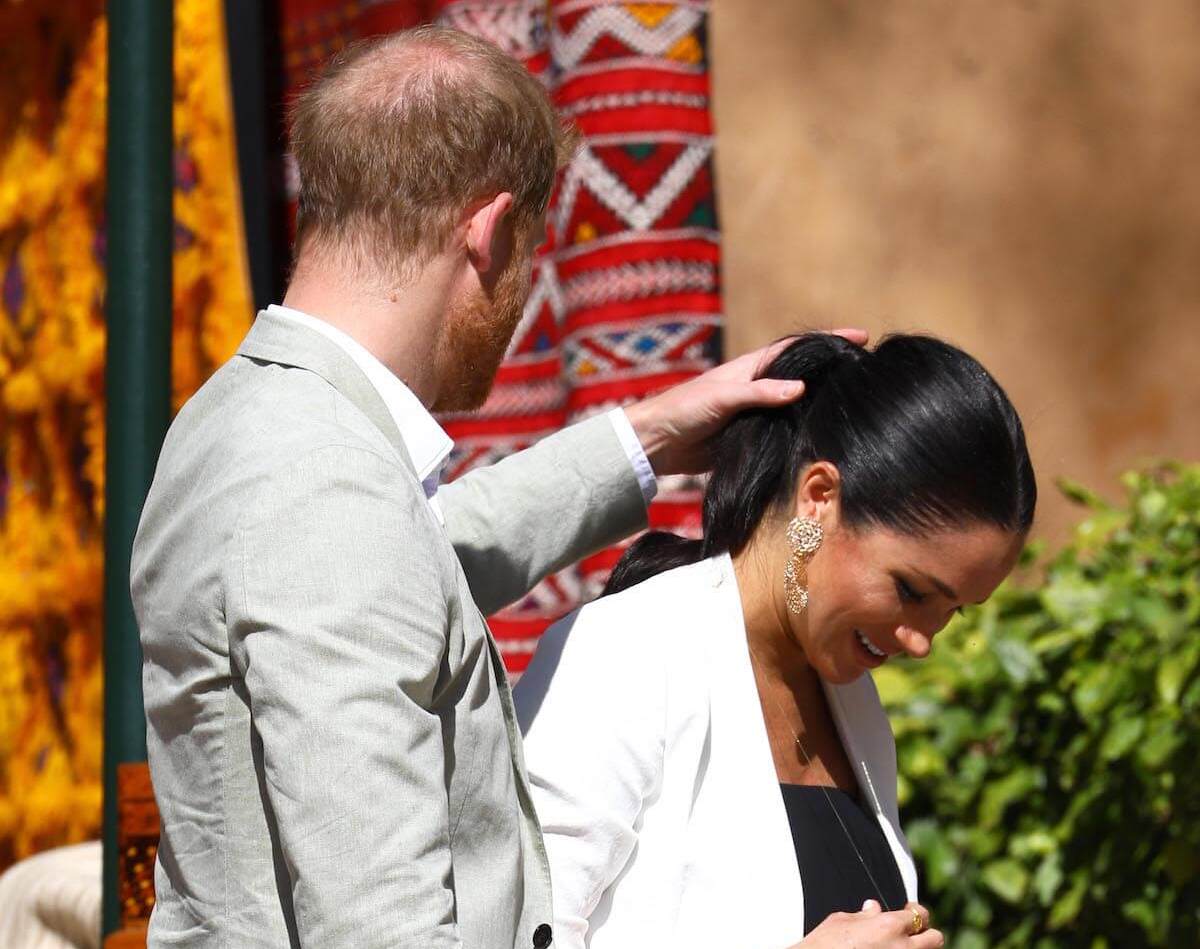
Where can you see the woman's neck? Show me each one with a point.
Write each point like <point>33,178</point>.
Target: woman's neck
<point>805,746</point>
<point>768,630</point>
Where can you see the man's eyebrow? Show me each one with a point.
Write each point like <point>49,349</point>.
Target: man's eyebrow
<point>943,588</point>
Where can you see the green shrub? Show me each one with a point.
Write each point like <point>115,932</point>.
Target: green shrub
<point>1049,749</point>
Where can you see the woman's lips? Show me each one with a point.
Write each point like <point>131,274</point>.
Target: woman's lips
<point>872,654</point>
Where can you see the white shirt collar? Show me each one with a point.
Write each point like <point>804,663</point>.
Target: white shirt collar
<point>427,442</point>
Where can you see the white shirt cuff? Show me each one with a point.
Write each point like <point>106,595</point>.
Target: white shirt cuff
<point>637,455</point>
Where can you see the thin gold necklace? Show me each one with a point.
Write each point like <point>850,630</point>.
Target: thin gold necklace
<point>825,791</point>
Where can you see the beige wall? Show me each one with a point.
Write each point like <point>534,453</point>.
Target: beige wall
<point>1021,178</point>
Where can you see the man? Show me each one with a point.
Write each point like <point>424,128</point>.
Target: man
<point>330,729</point>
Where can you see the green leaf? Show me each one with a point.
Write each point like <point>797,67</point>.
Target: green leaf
<point>1004,791</point>
<point>1074,491</point>
<point>924,761</point>
<point>978,912</point>
<point>1048,877</point>
<point>1174,670</point>
<point>1139,911</point>
<point>1121,737</point>
<point>1019,662</point>
<point>1007,879</point>
<point>1037,843</point>
<point>942,863</point>
<point>1153,507</point>
<point>1160,743</point>
<point>1066,908</point>
<point>1096,691</point>
<point>971,939</point>
<point>1072,601</point>
<point>1052,643</point>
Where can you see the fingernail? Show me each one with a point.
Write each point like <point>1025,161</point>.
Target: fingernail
<point>792,391</point>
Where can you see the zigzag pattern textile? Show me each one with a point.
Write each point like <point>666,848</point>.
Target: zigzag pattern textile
<point>626,291</point>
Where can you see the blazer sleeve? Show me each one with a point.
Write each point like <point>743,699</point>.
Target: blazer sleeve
<point>337,610</point>
<point>593,706</point>
<point>541,509</point>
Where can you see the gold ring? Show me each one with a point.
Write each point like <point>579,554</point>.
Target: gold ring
<point>918,923</point>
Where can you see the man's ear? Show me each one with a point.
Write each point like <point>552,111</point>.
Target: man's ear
<point>486,233</point>
<point>818,494</point>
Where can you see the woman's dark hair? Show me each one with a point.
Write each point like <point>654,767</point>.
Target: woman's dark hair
<point>922,437</point>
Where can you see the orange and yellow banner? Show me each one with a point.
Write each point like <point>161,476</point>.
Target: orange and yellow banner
<point>52,341</point>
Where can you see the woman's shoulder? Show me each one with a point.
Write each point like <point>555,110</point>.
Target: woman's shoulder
<point>662,623</point>
<point>682,602</point>
<point>622,650</point>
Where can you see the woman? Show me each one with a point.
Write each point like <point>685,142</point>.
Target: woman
<point>711,765</point>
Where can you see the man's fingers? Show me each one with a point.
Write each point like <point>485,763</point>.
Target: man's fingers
<point>763,394</point>
<point>853,334</point>
<point>872,908</point>
<point>768,354</point>
<point>768,393</point>
<point>753,364</point>
<point>930,939</point>
<point>749,366</point>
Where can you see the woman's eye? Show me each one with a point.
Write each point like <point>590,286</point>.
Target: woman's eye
<point>906,593</point>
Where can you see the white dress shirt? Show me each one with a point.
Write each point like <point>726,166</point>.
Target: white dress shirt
<point>427,442</point>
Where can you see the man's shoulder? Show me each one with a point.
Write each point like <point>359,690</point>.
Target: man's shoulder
<point>279,413</point>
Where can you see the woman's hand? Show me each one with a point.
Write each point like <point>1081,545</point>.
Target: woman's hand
<point>874,929</point>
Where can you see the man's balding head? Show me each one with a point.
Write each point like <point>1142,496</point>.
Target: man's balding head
<point>399,137</point>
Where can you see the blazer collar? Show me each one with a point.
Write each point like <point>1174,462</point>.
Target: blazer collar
<point>277,339</point>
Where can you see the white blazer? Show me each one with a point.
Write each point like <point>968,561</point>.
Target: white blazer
<point>653,777</point>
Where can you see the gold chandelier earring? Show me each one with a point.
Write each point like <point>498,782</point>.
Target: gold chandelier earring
<point>804,535</point>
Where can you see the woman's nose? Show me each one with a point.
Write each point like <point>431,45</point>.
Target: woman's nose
<point>915,642</point>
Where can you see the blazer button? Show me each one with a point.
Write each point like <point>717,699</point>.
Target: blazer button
<point>542,937</point>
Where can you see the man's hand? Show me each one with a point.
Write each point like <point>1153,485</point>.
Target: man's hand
<point>675,426</point>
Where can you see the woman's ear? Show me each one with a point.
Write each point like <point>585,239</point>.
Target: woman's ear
<point>818,495</point>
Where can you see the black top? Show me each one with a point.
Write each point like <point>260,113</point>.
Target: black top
<point>833,877</point>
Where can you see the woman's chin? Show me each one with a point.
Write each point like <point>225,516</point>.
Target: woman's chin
<point>840,673</point>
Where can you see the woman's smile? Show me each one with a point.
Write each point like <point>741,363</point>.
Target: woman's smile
<point>876,655</point>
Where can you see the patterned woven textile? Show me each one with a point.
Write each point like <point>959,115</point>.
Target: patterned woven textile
<point>626,293</point>
<point>313,30</point>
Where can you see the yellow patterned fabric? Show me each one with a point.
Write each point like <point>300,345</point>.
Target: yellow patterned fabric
<point>52,337</point>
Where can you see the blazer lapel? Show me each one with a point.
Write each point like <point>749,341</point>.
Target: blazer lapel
<point>867,737</point>
<point>780,890</point>
<point>276,339</point>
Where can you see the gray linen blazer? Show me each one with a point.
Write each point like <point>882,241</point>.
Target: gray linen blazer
<point>330,729</point>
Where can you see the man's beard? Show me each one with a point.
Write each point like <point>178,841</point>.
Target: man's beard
<point>476,338</point>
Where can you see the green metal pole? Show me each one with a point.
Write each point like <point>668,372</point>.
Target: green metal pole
<point>138,369</point>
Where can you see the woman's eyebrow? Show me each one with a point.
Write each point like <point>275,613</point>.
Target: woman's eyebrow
<point>943,588</point>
